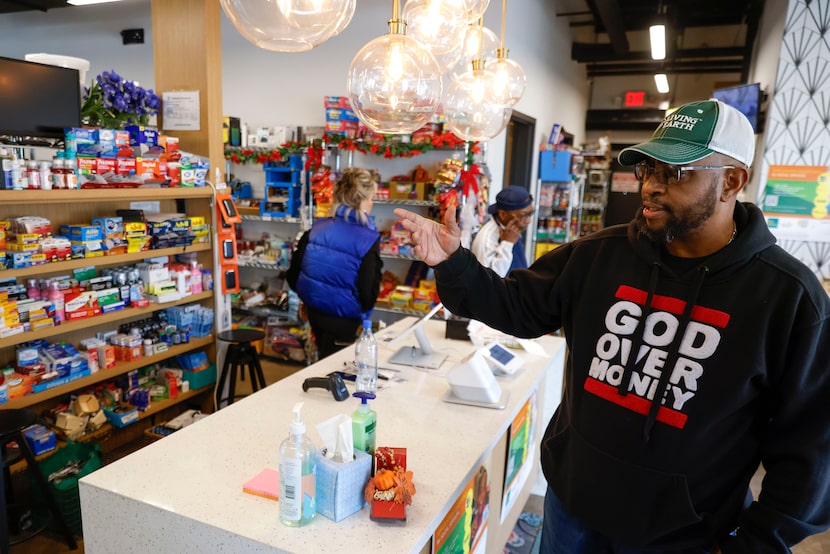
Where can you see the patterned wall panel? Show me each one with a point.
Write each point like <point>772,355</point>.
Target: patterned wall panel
<point>798,121</point>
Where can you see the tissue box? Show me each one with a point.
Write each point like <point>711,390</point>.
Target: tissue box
<point>339,486</point>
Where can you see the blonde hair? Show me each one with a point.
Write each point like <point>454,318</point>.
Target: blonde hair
<point>353,187</point>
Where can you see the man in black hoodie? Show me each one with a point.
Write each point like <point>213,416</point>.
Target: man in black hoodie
<point>698,349</point>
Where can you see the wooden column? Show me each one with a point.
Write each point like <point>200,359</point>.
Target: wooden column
<point>187,53</point>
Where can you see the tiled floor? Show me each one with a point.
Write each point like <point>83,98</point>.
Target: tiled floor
<point>49,543</point>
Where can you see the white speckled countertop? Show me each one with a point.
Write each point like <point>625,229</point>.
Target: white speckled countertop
<point>183,493</point>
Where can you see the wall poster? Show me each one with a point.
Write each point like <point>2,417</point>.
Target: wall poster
<point>796,202</point>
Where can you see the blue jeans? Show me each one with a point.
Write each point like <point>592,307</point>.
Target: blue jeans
<point>563,534</point>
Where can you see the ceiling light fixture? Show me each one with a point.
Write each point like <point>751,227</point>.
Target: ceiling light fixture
<point>657,34</point>
<point>479,43</point>
<point>394,82</point>
<point>472,107</point>
<point>288,25</point>
<point>510,77</point>
<point>475,9</point>
<point>662,83</point>
<point>438,24</point>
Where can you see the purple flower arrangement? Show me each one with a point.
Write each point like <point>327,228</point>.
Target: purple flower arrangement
<point>113,102</point>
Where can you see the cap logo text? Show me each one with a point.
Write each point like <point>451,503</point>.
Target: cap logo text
<point>680,121</point>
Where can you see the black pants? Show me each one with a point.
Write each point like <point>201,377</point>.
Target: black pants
<point>332,333</point>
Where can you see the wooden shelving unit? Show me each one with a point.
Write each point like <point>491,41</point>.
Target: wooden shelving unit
<point>79,206</point>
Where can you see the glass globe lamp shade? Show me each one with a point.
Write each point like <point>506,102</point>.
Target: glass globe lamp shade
<point>288,25</point>
<point>438,24</point>
<point>489,45</point>
<point>394,84</point>
<point>345,17</point>
<point>475,9</point>
<point>510,80</point>
<point>470,110</point>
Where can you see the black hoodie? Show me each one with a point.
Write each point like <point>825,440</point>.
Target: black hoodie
<point>746,333</point>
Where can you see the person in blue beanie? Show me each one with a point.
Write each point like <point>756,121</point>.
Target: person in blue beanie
<point>336,267</point>
<point>498,244</point>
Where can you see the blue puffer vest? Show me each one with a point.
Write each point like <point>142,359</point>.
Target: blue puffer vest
<point>328,277</point>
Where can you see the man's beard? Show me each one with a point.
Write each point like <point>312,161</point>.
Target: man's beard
<point>679,226</point>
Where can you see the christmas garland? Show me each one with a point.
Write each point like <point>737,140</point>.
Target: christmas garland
<point>314,149</point>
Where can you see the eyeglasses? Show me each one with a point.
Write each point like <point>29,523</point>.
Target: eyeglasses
<point>670,174</point>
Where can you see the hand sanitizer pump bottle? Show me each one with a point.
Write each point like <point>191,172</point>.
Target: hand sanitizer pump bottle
<point>298,460</point>
<point>366,360</point>
<point>364,424</point>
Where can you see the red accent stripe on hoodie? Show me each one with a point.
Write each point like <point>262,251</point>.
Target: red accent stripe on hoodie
<point>675,306</point>
<point>635,403</point>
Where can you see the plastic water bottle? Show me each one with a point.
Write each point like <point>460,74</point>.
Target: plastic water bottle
<point>366,360</point>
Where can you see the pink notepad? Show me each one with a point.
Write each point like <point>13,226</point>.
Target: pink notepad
<point>266,483</point>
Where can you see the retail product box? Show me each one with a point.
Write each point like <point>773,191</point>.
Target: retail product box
<point>140,135</point>
<point>555,165</point>
<point>82,232</point>
<point>80,305</point>
<point>337,102</point>
<point>194,361</point>
<point>111,227</point>
<point>409,190</point>
<point>41,440</point>
<point>339,486</point>
<point>122,415</point>
<point>201,378</point>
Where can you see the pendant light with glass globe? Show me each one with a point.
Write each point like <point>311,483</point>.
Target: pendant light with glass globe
<point>438,24</point>
<point>510,77</point>
<point>479,43</point>
<point>471,108</point>
<point>289,25</point>
<point>394,82</point>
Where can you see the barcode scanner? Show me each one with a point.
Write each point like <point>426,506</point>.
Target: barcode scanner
<point>332,382</point>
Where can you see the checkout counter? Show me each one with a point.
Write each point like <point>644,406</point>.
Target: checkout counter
<point>183,493</point>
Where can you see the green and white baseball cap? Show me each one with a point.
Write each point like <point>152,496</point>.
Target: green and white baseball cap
<point>694,131</point>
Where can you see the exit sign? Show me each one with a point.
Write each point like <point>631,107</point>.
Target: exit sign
<point>635,98</point>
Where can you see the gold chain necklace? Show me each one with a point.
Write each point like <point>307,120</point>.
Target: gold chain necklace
<point>734,232</point>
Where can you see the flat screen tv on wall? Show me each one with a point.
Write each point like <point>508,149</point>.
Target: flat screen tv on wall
<point>38,100</point>
<point>746,99</point>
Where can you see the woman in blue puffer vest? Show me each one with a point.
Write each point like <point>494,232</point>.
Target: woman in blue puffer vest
<point>336,266</point>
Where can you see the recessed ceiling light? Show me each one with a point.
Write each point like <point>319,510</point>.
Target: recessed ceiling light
<point>662,83</point>
<point>657,34</point>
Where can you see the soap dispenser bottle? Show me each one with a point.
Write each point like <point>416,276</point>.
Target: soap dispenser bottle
<point>298,459</point>
<point>364,424</point>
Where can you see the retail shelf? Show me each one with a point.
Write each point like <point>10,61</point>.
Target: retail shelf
<point>103,195</point>
<point>111,317</point>
<point>257,217</point>
<point>265,310</point>
<point>274,266</point>
<point>400,311</point>
<point>105,374</point>
<point>118,259</point>
<point>402,202</point>
<point>399,256</point>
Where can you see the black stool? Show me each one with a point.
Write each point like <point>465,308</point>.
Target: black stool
<point>240,354</point>
<point>12,424</point>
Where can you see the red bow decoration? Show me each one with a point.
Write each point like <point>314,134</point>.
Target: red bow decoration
<point>468,179</point>
<point>314,157</point>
